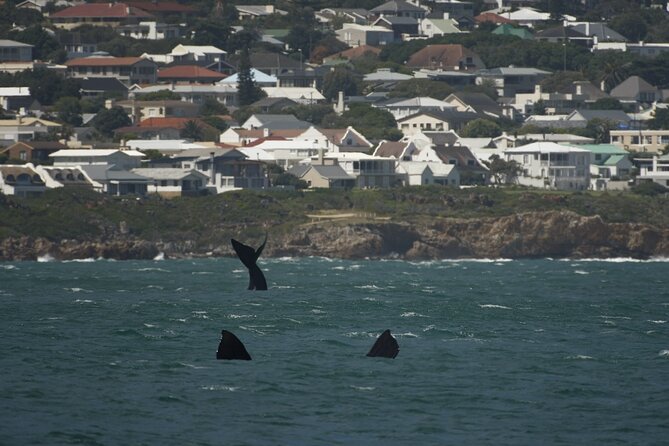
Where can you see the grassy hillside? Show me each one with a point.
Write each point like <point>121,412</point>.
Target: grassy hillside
<point>64,214</point>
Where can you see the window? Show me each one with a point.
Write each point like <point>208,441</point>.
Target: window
<point>23,156</point>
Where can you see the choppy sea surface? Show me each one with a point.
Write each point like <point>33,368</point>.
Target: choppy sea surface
<point>532,352</point>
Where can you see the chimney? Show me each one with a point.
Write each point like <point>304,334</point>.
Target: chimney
<point>654,163</point>
<point>321,157</point>
<point>579,88</point>
<point>339,107</point>
<point>265,132</point>
<point>109,104</point>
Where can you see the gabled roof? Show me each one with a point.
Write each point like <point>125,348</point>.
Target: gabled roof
<point>278,121</point>
<point>396,6</point>
<point>444,115</point>
<point>386,75</point>
<point>355,53</point>
<point>167,173</point>
<point>446,55</point>
<point>102,173</point>
<point>492,17</point>
<point>419,101</point>
<point>13,44</point>
<point>102,84</point>
<point>330,172</point>
<point>104,61</point>
<point>393,20</point>
<point>605,149</point>
<point>480,102</point>
<point>107,10</point>
<point>42,145</point>
<point>610,115</point>
<point>558,32</point>
<point>162,7</point>
<point>599,30</point>
<point>189,71</point>
<point>507,29</point>
<point>257,75</point>
<point>544,147</point>
<point>388,149</point>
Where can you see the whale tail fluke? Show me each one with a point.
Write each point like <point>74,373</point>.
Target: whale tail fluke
<point>231,347</point>
<point>249,257</point>
<point>386,346</point>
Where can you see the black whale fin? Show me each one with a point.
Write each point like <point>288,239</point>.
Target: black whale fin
<point>386,346</point>
<point>249,257</point>
<point>231,347</point>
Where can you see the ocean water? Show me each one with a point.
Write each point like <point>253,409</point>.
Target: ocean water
<point>546,352</point>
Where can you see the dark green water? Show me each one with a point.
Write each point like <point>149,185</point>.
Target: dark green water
<point>492,353</point>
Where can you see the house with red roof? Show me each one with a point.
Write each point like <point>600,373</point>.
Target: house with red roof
<point>163,9</point>
<point>129,70</point>
<point>98,14</point>
<point>167,128</point>
<point>190,74</point>
<point>447,57</point>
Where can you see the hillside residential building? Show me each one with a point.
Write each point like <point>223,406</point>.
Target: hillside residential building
<point>173,182</point>
<point>36,152</point>
<point>121,159</point>
<point>445,57</point>
<point>196,93</point>
<point>641,140</point>
<point>20,180</point>
<point>434,121</point>
<point>354,35</point>
<point>25,128</point>
<point>151,30</point>
<point>657,171</point>
<point>416,173</point>
<point>325,174</point>
<point>432,27</point>
<point>512,80</point>
<point>607,161</point>
<point>98,14</point>
<point>12,51</point>
<point>552,166</point>
<point>129,70</point>
<point>368,171</point>
<point>399,8</point>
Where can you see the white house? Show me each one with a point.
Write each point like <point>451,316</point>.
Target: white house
<point>173,182</point>
<point>552,166</point>
<point>122,159</point>
<point>301,95</point>
<point>20,180</point>
<point>607,162</point>
<point>657,172</point>
<point>369,171</point>
<point>407,107</point>
<point>415,173</point>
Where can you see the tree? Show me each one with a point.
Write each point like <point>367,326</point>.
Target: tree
<point>504,172</point>
<point>211,107</point>
<point>660,120</point>
<point>69,110</point>
<point>160,95</point>
<point>340,79</point>
<point>108,120</point>
<point>606,104</point>
<point>372,122</point>
<point>191,130</point>
<point>481,128</point>
<point>630,25</point>
<point>247,88</point>
<point>313,113</point>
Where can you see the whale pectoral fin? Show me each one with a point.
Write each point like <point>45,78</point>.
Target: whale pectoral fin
<point>231,347</point>
<point>386,346</point>
<point>245,253</point>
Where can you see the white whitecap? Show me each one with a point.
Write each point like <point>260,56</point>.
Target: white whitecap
<point>368,287</point>
<point>579,271</point>
<point>83,301</point>
<point>405,335</point>
<point>153,269</point>
<point>78,290</point>
<point>664,353</point>
<point>317,311</point>
<point>45,258</point>
<point>658,322</point>
<point>241,316</point>
<point>501,307</point>
<point>219,387</point>
<point>159,257</point>
<point>149,325</point>
<point>412,314</point>
<point>8,267</point>
<point>584,357</point>
<point>364,389</point>
<point>86,260</point>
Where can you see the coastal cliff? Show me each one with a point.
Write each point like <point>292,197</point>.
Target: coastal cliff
<point>561,234</point>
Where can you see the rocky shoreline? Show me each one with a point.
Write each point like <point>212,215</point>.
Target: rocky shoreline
<point>556,234</point>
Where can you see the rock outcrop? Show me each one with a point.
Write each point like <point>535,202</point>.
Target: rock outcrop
<point>559,234</point>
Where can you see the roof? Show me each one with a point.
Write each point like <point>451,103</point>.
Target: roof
<point>104,61</point>
<point>162,7</point>
<point>600,30</point>
<point>614,159</point>
<point>420,101</point>
<point>396,6</point>
<point>386,75</point>
<point>331,172</point>
<point>611,115</point>
<point>7,170</point>
<point>80,153</point>
<point>395,20</point>
<point>507,29</point>
<point>631,87</point>
<point>278,121</point>
<point>355,53</point>
<point>444,115</point>
<point>66,175</point>
<point>310,93</point>
<point>605,149</point>
<point>544,147</point>
<point>513,71</point>
<point>257,75</point>
<point>492,17</point>
<point>447,26</point>
<point>190,71</point>
<point>27,121</point>
<point>102,173</point>
<point>116,10</point>
<point>13,43</point>
<point>439,55</point>
<point>166,173</point>
<point>14,91</point>
<point>390,149</point>
<point>102,84</point>
<point>558,32</point>
<point>42,145</point>
<point>169,122</point>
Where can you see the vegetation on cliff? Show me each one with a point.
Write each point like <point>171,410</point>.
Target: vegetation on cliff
<point>210,221</point>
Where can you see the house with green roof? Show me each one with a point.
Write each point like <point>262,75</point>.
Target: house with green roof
<point>510,30</point>
<point>607,162</point>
